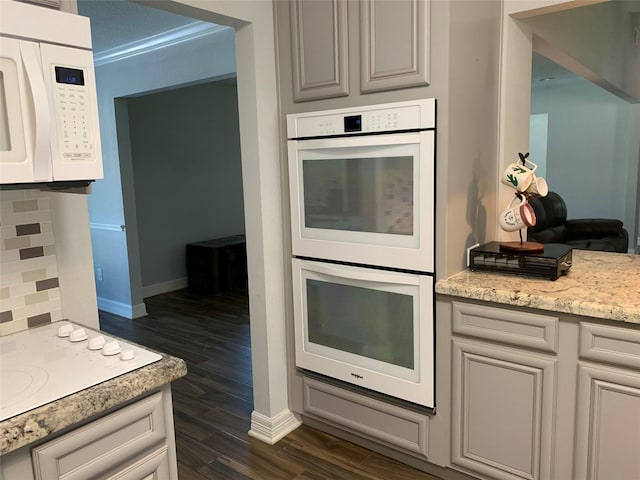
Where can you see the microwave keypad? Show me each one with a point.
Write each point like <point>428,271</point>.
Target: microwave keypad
<point>74,125</point>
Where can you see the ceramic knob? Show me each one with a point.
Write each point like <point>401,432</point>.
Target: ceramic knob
<point>111,348</point>
<point>96,343</point>
<point>127,354</point>
<point>65,330</point>
<point>78,335</point>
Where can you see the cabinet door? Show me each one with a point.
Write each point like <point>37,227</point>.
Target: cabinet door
<point>608,424</point>
<point>114,442</point>
<point>319,49</point>
<point>502,413</point>
<point>394,44</point>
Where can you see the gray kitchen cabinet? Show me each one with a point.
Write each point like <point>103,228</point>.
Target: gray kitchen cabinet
<point>319,51</point>
<point>394,44</point>
<point>608,403</point>
<point>503,397</point>
<point>136,441</point>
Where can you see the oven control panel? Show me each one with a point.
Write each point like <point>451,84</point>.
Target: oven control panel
<point>392,117</point>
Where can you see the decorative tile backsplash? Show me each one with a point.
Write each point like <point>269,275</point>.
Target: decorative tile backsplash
<point>29,289</point>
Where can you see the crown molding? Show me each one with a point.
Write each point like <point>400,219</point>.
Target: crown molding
<point>169,38</point>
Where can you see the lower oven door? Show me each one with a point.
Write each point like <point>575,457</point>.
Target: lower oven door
<point>369,327</point>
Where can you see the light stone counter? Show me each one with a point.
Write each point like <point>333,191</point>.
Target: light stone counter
<point>599,284</point>
<point>36,424</point>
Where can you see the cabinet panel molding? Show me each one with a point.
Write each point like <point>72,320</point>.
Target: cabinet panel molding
<point>528,330</point>
<point>603,343</point>
<point>394,44</point>
<point>98,447</point>
<point>319,49</point>
<point>608,424</point>
<point>395,426</point>
<point>502,411</point>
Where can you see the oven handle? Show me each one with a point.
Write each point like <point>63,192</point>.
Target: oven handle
<point>359,273</point>
<point>360,141</point>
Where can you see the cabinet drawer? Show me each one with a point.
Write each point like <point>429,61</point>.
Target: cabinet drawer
<point>397,427</point>
<point>603,343</point>
<point>100,447</point>
<point>511,327</point>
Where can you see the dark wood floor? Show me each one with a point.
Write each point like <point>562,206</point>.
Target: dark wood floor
<point>213,403</point>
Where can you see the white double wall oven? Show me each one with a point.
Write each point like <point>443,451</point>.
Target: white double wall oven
<point>362,185</point>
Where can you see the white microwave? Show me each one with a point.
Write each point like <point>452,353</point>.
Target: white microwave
<point>49,128</point>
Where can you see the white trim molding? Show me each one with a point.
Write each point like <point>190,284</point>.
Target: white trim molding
<point>164,287</point>
<point>122,309</point>
<point>169,38</point>
<point>273,429</point>
<point>107,226</point>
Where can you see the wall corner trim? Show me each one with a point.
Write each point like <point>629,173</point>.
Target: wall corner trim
<point>273,429</point>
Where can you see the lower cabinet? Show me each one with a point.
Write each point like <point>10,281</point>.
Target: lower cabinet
<point>502,414</point>
<point>130,443</point>
<point>608,424</point>
<point>504,369</point>
<point>135,442</point>
<point>608,407</point>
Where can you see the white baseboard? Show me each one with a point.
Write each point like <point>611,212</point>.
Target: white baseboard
<point>123,309</point>
<point>164,287</point>
<point>271,430</point>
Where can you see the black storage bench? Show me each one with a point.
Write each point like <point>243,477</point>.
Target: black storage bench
<point>217,265</point>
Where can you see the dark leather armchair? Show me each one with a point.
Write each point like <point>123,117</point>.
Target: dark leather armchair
<point>552,226</point>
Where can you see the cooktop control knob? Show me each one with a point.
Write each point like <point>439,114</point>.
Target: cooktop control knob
<point>96,343</point>
<point>111,348</point>
<point>78,335</point>
<point>65,330</point>
<point>127,354</point>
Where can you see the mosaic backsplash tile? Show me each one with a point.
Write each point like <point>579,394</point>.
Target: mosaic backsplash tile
<point>29,288</point>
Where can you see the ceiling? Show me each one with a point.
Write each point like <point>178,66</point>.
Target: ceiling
<point>117,24</point>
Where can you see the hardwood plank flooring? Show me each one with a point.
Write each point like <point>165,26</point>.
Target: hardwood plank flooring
<point>213,402</point>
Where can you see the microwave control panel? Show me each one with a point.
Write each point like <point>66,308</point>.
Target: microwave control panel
<point>73,113</point>
<point>393,117</point>
<point>73,104</point>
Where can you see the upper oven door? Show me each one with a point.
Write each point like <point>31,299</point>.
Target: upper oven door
<point>364,199</point>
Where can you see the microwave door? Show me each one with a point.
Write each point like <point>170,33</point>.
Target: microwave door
<point>18,79</point>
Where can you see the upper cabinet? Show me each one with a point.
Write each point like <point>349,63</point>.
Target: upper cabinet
<point>319,49</point>
<point>394,44</point>
<point>393,53</point>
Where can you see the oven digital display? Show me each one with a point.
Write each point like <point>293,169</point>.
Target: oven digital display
<point>353,123</point>
<point>70,76</point>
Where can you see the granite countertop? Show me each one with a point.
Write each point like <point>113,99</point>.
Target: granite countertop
<point>599,284</point>
<point>36,424</point>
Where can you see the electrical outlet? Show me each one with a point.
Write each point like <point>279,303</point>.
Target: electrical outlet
<point>99,274</point>
<point>469,253</point>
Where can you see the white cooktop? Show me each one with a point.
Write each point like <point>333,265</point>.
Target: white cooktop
<point>38,366</point>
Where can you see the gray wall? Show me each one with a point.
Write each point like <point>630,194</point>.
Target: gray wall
<point>113,202</point>
<point>185,145</point>
<point>592,150</point>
